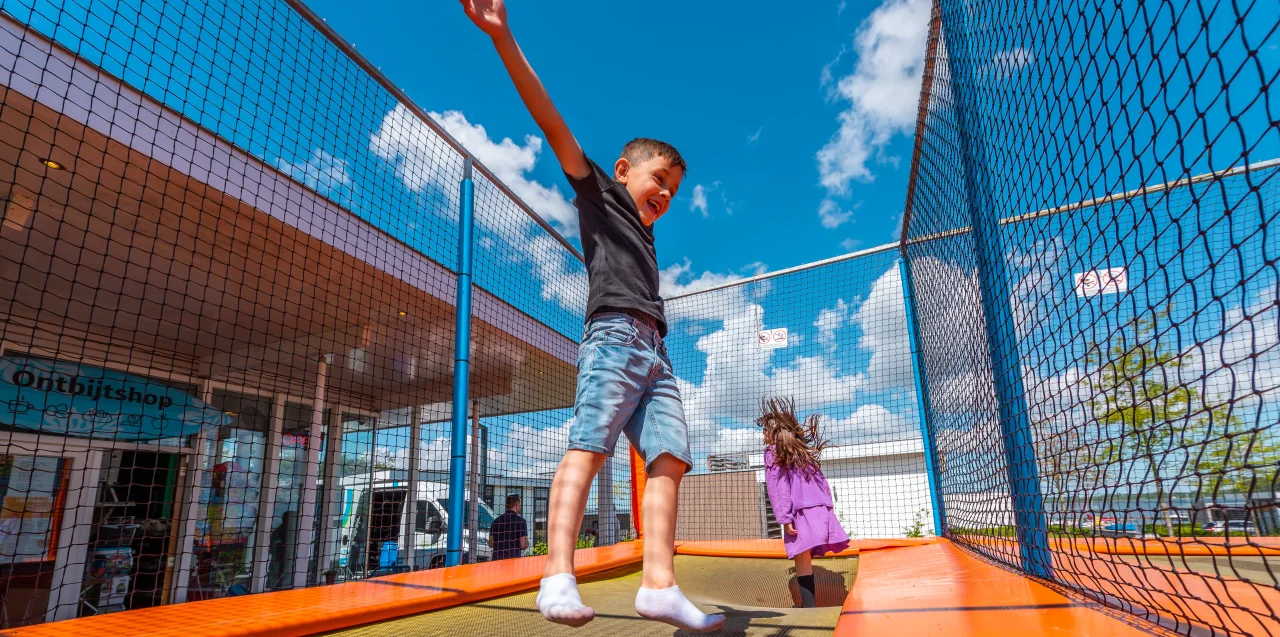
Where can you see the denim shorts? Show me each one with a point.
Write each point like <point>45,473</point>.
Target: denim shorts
<point>626,385</point>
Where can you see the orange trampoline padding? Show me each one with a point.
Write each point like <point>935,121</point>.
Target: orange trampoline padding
<point>1187,546</point>
<point>309,611</point>
<point>774,549</point>
<point>937,589</point>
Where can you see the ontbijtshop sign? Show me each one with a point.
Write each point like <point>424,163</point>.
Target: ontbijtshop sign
<point>54,397</point>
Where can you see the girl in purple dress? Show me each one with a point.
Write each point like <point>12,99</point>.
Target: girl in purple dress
<point>799,492</point>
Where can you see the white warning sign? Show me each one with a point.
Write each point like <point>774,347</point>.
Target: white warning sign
<point>1108,281</point>
<point>772,339</point>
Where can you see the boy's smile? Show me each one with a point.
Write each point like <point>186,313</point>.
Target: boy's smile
<point>652,183</point>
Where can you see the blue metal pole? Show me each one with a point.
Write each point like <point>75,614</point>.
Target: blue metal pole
<point>461,373</point>
<point>922,406</point>
<point>993,278</point>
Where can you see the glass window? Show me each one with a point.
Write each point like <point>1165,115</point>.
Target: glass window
<point>485,513</point>
<point>295,445</point>
<point>228,507</point>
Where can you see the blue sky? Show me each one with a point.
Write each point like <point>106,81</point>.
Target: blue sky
<point>740,92</point>
<point>797,127</point>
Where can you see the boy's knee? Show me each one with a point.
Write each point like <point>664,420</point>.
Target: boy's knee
<point>668,466</point>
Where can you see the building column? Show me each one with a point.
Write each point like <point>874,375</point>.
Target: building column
<point>307,508</point>
<point>267,498</point>
<point>191,504</point>
<point>411,499</point>
<point>473,485</point>
<point>331,513</point>
<point>73,537</point>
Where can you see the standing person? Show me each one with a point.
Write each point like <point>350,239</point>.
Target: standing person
<point>625,380</point>
<point>509,533</point>
<point>799,492</point>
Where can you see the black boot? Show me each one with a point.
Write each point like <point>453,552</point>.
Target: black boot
<point>806,591</point>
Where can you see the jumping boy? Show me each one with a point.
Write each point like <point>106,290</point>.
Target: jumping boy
<point>625,381</point>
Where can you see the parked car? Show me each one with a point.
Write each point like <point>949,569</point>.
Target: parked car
<point>1232,526</point>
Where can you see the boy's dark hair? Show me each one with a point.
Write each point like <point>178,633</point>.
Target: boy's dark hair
<point>642,149</point>
<point>513,499</point>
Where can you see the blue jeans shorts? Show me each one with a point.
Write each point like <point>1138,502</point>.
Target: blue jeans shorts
<point>626,385</point>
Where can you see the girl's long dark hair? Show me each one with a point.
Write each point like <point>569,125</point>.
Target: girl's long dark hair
<point>796,445</point>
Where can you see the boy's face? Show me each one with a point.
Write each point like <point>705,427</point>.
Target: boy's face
<point>652,183</point>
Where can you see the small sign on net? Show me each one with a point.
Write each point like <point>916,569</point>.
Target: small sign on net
<point>772,339</point>
<point>1106,281</point>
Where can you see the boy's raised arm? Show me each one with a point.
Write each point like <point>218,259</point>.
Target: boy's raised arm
<point>491,17</point>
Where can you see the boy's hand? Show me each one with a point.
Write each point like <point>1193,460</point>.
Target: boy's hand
<point>489,15</point>
<point>789,528</point>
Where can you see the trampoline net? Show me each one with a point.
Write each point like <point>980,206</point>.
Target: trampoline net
<point>1092,241</point>
<point>228,278</point>
<point>833,338</point>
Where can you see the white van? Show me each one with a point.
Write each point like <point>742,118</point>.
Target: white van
<point>378,513</point>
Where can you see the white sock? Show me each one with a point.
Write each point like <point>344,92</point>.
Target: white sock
<point>559,601</point>
<point>670,605</point>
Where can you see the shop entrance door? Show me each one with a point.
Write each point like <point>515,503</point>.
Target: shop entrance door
<point>132,541</point>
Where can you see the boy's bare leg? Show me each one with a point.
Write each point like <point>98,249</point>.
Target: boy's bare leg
<point>569,491</point>
<point>659,598</point>
<point>558,597</point>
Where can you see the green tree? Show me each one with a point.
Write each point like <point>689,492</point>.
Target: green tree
<point>1146,415</point>
<point>1240,460</point>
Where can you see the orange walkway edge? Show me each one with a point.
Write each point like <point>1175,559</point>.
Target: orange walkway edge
<point>773,549</point>
<point>1187,547</point>
<point>937,589</point>
<point>313,610</point>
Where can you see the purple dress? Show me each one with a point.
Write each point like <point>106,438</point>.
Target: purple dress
<point>804,499</point>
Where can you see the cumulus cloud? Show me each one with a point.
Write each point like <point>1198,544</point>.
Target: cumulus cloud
<point>322,171</point>
<point>1006,63</point>
<point>829,320</point>
<point>833,215</point>
<point>424,161</point>
<point>881,93</point>
<point>699,202</point>
<point>422,158</point>
<point>870,423</point>
<point>851,244</point>
<point>882,317</point>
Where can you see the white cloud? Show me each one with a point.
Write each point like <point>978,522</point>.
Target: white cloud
<point>322,171</point>
<point>870,423</point>
<point>1006,63</point>
<point>883,320</point>
<point>739,374</point>
<point>881,92</point>
<point>422,159</point>
<point>833,216</point>
<point>841,7</point>
<point>699,203</point>
<point>530,451</point>
<point>511,163</point>
<point>829,320</point>
<point>851,244</point>
<point>1243,363</point>
<point>670,285</point>
<point>755,137</point>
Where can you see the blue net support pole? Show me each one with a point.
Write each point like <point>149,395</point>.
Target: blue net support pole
<point>917,369</point>
<point>461,373</point>
<point>993,278</point>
